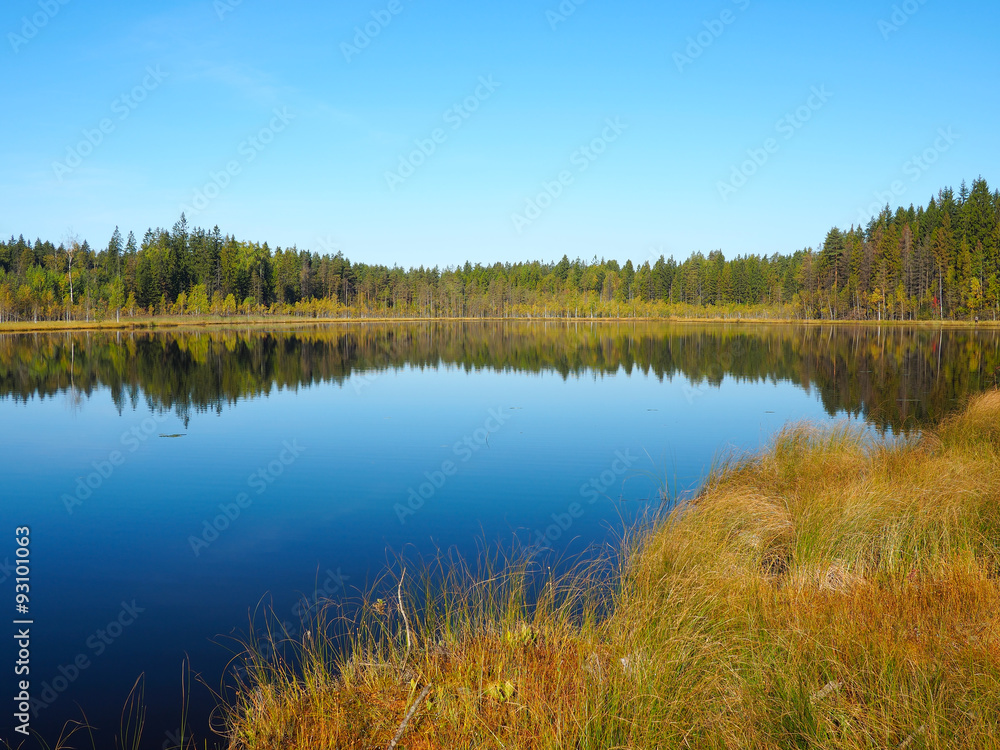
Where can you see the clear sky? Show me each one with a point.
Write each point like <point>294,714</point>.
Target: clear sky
<point>634,128</point>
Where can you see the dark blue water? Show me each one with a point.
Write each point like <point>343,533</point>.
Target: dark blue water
<point>160,521</point>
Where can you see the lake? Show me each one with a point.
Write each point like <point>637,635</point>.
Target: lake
<point>177,482</point>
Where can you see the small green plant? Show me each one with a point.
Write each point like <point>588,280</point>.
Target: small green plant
<point>521,636</point>
<point>500,691</point>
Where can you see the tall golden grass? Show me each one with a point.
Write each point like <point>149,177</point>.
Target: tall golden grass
<point>154,322</point>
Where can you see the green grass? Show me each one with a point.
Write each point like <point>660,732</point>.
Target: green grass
<point>830,592</point>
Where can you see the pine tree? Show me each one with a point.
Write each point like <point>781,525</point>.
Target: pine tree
<point>114,254</point>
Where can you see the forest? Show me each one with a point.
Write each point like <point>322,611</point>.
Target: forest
<point>941,261</point>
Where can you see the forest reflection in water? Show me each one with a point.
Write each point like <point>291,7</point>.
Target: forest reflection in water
<point>894,377</point>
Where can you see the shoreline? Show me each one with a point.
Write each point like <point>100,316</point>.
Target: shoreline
<point>152,324</point>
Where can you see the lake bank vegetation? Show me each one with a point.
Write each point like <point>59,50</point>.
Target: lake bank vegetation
<point>935,262</point>
<point>832,591</point>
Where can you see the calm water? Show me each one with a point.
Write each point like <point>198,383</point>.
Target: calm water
<point>175,481</point>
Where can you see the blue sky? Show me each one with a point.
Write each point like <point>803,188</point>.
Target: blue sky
<point>740,125</point>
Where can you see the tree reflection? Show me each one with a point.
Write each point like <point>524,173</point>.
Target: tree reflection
<point>895,377</point>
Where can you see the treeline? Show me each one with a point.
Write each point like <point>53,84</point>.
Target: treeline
<point>898,377</point>
<point>938,261</point>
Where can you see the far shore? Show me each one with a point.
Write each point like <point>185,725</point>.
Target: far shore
<point>151,323</point>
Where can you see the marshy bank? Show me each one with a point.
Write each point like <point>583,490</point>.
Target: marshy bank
<point>827,592</point>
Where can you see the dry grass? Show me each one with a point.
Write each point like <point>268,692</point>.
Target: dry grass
<point>831,592</point>
<point>257,320</point>
<point>146,322</point>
